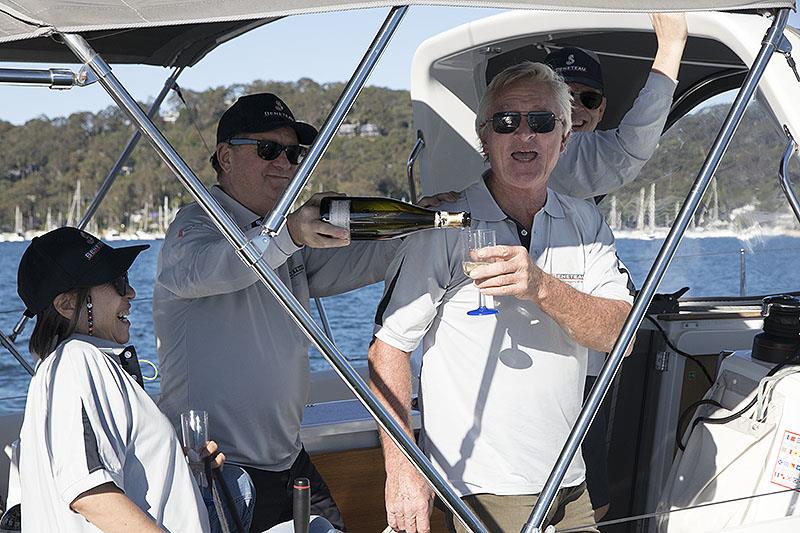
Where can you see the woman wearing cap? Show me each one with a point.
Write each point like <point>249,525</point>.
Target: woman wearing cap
<point>95,451</point>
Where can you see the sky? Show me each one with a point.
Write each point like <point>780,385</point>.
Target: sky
<point>324,47</point>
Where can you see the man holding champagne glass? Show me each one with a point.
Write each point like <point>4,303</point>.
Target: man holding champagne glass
<point>499,393</point>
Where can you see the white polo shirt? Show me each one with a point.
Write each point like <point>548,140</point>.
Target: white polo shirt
<point>87,423</point>
<point>499,393</point>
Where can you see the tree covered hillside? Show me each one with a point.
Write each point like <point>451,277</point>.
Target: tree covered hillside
<point>41,161</point>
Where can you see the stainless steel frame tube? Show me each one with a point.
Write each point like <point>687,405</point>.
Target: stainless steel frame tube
<point>323,316</point>
<point>18,328</point>
<point>54,78</point>
<point>786,185</point>
<point>9,345</point>
<point>614,360</point>
<point>126,153</point>
<point>277,217</point>
<point>249,253</point>
<point>742,273</point>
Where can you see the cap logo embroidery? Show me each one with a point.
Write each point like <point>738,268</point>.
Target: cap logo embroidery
<point>281,114</point>
<point>93,250</point>
<point>570,59</point>
<point>278,106</point>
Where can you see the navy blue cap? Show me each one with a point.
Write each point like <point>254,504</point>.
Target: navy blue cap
<point>65,259</point>
<point>577,65</point>
<point>257,113</point>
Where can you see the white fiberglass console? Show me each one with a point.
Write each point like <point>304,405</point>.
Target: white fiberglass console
<point>740,466</point>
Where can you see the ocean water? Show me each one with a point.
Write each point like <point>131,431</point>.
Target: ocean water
<point>708,265</point>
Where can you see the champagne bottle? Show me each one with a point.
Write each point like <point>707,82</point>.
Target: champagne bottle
<point>371,218</point>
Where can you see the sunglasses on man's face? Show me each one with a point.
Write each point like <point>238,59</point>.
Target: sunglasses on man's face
<point>121,284</point>
<point>538,121</point>
<point>270,150</point>
<point>588,99</point>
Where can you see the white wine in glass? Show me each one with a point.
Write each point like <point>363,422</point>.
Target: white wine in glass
<point>472,240</point>
<point>469,266</point>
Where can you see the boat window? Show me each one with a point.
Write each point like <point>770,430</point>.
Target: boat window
<point>743,239</point>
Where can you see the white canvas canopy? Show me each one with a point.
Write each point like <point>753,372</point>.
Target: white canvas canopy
<point>170,33</point>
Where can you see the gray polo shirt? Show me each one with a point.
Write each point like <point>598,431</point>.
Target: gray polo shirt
<point>600,162</point>
<point>499,393</point>
<point>227,346</point>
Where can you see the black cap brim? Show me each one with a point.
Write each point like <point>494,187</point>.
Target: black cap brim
<point>116,261</point>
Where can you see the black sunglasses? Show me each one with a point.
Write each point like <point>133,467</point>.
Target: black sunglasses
<point>509,121</point>
<point>270,150</point>
<point>121,284</point>
<point>589,99</point>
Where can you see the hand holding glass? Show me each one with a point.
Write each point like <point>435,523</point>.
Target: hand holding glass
<point>194,430</point>
<point>473,240</point>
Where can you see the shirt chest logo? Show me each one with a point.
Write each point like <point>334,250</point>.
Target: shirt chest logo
<point>569,278</point>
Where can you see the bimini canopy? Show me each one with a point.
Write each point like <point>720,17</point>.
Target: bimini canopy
<point>179,33</point>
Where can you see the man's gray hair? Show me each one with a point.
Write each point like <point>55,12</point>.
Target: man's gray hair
<point>527,72</point>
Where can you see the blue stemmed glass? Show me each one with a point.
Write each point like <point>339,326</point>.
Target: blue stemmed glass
<point>472,240</point>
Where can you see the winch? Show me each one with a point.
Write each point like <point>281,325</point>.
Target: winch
<point>781,336</point>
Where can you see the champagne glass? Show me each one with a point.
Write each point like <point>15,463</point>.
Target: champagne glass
<point>194,430</point>
<point>472,240</point>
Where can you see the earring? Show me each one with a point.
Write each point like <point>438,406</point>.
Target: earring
<point>89,315</point>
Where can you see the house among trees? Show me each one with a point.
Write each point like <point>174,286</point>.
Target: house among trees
<point>360,130</point>
<point>348,130</point>
<point>170,116</point>
<point>369,130</point>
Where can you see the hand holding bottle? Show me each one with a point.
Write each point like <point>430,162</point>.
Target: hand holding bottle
<point>306,228</point>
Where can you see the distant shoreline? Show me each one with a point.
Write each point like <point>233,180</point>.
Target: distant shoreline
<point>645,235</point>
<point>699,233</point>
<point>105,235</point>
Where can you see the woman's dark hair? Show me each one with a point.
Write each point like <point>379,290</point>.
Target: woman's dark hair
<point>52,328</point>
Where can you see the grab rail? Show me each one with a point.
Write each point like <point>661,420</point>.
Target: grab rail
<point>786,184</point>
<point>412,158</point>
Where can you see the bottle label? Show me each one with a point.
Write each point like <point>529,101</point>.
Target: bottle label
<point>452,220</point>
<point>340,214</point>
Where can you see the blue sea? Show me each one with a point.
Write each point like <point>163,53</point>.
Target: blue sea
<point>708,265</point>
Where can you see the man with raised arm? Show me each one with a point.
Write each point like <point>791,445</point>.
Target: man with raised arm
<point>600,162</point>
<point>499,394</point>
